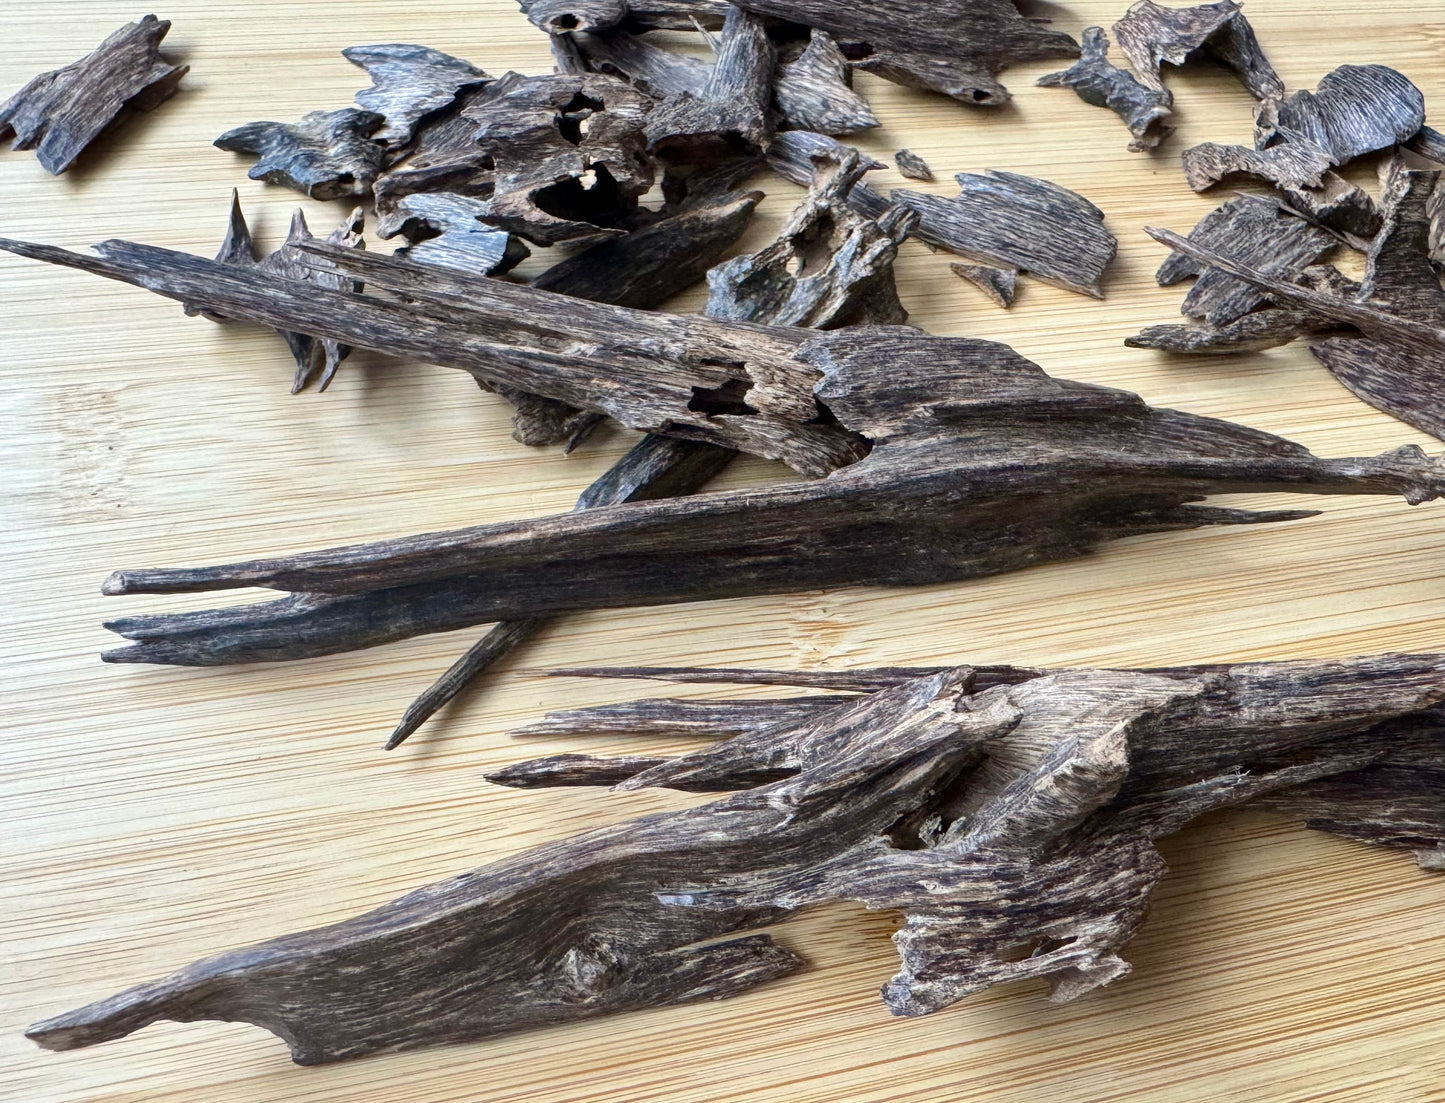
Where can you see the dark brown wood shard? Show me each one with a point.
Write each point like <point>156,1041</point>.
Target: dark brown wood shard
<point>1100,82</point>
<point>1264,329</point>
<point>568,154</point>
<point>558,16</point>
<point>999,284</point>
<point>1339,206</point>
<point>650,68</point>
<point>443,157</point>
<point>829,266</point>
<point>1255,232</point>
<point>58,114</point>
<point>734,107</point>
<point>912,166</point>
<point>409,83</point>
<point>943,495</point>
<point>327,155</point>
<point>1151,34</point>
<point>1008,220</point>
<point>814,91</point>
<point>1356,109</point>
<point>448,230</point>
<point>1014,827</point>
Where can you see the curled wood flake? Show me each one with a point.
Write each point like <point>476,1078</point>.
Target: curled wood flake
<point>945,494</point>
<point>58,114</point>
<point>734,107</point>
<point>569,154</point>
<point>327,155</point>
<point>1151,34</point>
<point>408,84</point>
<point>1012,221</point>
<point>1100,82</point>
<point>912,166</point>
<point>829,266</point>
<point>1255,232</point>
<point>999,284</point>
<point>814,91</point>
<point>448,230</point>
<point>1356,109</point>
<point>1014,827</point>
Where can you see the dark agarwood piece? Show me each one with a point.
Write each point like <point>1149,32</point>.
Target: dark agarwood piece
<point>327,155</point>
<point>829,266</point>
<point>1338,206</point>
<point>1264,329</point>
<point>1014,827</point>
<point>447,229</point>
<point>1008,220</point>
<point>999,284</point>
<point>61,112</point>
<point>814,91</point>
<point>1356,109</point>
<point>945,494</point>
<point>912,166</point>
<point>1100,82</point>
<point>650,68</point>
<point>559,16</point>
<point>1151,34</point>
<point>443,157</point>
<point>1255,232</point>
<point>410,83</point>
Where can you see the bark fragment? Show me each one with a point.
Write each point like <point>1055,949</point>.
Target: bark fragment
<point>1151,34</point>
<point>1008,220</point>
<point>59,113</point>
<point>1100,82</point>
<point>410,83</point>
<point>1356,109</point>
<point>1013,826</point>
<point>327,155</point>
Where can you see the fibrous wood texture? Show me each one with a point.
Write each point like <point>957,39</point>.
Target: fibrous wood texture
<point>59,113</point>
<point>1014,827</point>
<point>408,83</point>
<point>327,155</point>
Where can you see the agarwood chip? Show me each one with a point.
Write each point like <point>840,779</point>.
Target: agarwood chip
<point>999,284</point>
<point>559,16</point>
<point>912,166</point>
<point>448,230</point>
<point>61,112</point>
<point>1100,82</point>
<point>1012,221</point>
<point>327,155</point>
<point>443,157</point>
<point>1337,205</point>
<point>646,66</point>
<point>814,91</point>
<point>1356,109</point>
<point>1264,329</point>
<point>1013,826</point>
<point>1150,34</point>
<point>408,84</point>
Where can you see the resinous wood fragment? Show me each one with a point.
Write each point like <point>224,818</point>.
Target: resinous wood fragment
<point>558,16</point>
<point>814,91</point>
<point>327,155</point>
<point>408,84</point>
<point>1013,826</point>
<point>1100,82</point>
<point>999,284</point>
<point>1008,220</point>
<point>646,66</point>
<point>1356,109</point>
<point>448,229</point>
<point>912,166</point>
<point>58,114</point>
<point>1151,34</point>
<point>443,157</point>
<point>981,464</point>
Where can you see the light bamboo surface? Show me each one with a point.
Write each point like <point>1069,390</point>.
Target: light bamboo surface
<point>157,815</point>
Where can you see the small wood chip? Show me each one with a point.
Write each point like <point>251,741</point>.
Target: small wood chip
<point>58,114</point>
<point>814,91</point>
<point>912,166</point>
<point>327,155</point>
<point>999,284</point>
<point>1100,82</point>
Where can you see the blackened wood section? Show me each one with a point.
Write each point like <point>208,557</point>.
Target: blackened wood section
<point>1008,220</point>
<point>1014,827</point>
<point>1151,34</point>
<point>912,166</point>
<point>999,284</point>
<point>409,83</point>
<point>829,266</point>
<point>1255,232</point>
<point>1100,82</point>
<point>443,157</point>
<point>568,154</point>
<point>944,495</point>
<point>645,369</point>
<point>814,91</point>
<point>1356,109</point>
<point>734,107</point>
<point>448,230</point>
<point>327,155</point>
<point>59,113</point>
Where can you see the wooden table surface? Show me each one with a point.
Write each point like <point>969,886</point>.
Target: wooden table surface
<point>155,815</point>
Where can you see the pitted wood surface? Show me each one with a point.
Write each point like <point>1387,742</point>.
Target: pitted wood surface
<point>155,816</point>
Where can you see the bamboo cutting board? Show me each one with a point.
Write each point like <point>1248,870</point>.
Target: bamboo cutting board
<point>156,815</point>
